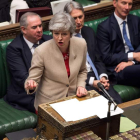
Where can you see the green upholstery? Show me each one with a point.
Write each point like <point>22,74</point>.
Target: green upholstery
<point>85,2</point>
<point>135,12</point>
<point>94,23</point>
<point>4,75</point>
<point>11,119</point>
<point>47,33</point>
<point>127,93</point>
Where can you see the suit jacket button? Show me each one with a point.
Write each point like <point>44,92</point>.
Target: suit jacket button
<point>67,85</point>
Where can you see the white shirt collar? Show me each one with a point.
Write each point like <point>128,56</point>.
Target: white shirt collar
<point>76,33</point>
<point>30,44</point>
<point>120,20</point>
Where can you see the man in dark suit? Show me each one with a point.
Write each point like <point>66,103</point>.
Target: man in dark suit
<point>77,12</point>
<point>19,54</point>
<point>118,39</point>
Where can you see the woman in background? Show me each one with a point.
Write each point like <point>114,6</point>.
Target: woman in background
<point>58,66</point>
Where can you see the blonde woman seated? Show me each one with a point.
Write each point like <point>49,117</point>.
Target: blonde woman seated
<point>58,66</point>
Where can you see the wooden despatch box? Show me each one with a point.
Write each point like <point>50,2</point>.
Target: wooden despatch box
<point>53,126</point>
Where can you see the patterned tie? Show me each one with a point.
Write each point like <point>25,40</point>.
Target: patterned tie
<point>127,41</point>
<point>35,45</point>
<point>90,61</point>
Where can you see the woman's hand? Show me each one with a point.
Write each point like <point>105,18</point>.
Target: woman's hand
<point>81,91</point>
<point>30,85</point>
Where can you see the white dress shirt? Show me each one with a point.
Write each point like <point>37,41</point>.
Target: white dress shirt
<point>30,44</point>
<point>89,68</point>
<point>120,23</point>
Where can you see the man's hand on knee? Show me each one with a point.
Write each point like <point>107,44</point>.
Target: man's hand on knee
<point>123,65</point>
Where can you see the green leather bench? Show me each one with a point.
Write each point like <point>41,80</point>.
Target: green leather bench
<point>85,2</point>
<point>11,119</point>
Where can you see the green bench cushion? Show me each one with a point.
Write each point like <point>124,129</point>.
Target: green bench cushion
<point>12,119</point>
<point>135,12</point>
<point>94,23</point>
<point>85,2</point>
<point>4,74</point>
<point>127,93</point>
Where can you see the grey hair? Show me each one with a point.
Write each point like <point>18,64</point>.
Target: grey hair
<point>62,21</point>
<point>23,20</point>
<point>73,5</point>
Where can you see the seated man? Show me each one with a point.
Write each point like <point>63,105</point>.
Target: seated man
<point>77,12</point>
<point>118,39</point>
<point>19,54</point>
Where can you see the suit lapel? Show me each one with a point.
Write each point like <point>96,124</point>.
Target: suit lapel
<point>130,28</point>
<point>28,54</point>
<point>115,26</point>
<point>72,57</point>
<point>87,37</point>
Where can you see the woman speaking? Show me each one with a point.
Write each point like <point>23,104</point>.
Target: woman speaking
<point>58,66</point>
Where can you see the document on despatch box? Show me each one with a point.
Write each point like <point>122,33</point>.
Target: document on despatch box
<point>73,109</point>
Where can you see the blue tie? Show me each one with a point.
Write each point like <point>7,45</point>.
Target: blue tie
<point>89,60</point>
<point>93,67</point>
<point>78,35</point>
<point>127,41</point>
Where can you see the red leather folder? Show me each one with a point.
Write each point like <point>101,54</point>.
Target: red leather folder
<point>42,11</point>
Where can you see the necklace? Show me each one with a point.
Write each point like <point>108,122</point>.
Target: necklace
<point>66,56</point>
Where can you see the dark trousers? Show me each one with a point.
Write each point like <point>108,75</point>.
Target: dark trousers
<point>129,76</point>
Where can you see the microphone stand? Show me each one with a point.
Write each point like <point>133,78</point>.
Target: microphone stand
<point>110,100</point>
<point>108,120</point>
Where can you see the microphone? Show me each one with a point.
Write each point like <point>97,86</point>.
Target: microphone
<point>102,88</point>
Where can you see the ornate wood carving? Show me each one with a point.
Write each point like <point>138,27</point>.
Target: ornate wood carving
<point>91,13</point>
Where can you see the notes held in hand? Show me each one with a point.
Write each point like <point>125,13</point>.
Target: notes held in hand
<point>73,110</point>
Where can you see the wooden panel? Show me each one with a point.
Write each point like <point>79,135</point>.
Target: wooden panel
<point>129,103</point>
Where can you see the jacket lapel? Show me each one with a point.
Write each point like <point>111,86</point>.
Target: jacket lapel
<point>115,26</point>
<point>28,54</point>
<point>72,57</point>
<point>87,37</point>
<point>131,30</point>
